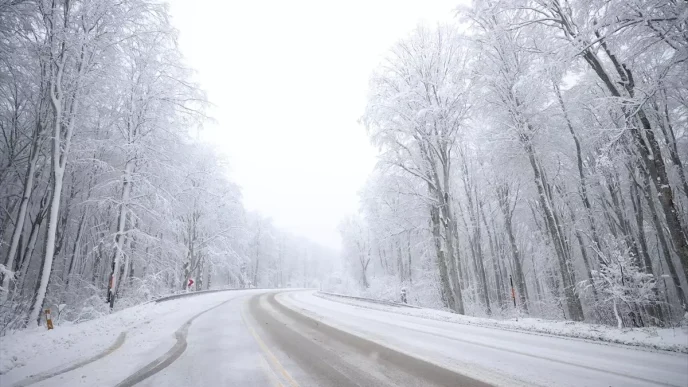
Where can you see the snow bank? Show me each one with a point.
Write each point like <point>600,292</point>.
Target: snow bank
<point>667,339</point>
<point>31,351</point>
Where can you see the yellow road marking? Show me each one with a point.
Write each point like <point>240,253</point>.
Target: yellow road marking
<point>274,379</point>
<point>269,353</point>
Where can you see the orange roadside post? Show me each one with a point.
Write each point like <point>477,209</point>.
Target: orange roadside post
<point>48,319</point>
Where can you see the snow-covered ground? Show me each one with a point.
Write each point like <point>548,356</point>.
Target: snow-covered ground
<point>668,339</point>
<point>497,356</point>
<point>149,331</point>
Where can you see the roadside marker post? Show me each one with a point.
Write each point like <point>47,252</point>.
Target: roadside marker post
<point>513,293</point>
<point>48,319</point>
<point>513,297</point>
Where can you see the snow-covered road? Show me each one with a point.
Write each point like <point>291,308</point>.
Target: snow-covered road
<point>295,338</point>
<point>499,356</point>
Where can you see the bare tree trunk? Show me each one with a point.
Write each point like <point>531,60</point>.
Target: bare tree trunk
<point>21,215</point>
<point>670,141</point>
<point>408,250</point>
<point>640,224</point>
<point>75,248</point>
<point>383,259</point>
<point>507,212</point>
<point>493,254</point>
<point>673,272</point>
<point>655,311</point>
<point>451,234</point>
<point>556,235</point>
<point>63,125</point>
<point>447,293</point>
<point>475,240</point>
<point>59,160</point>
<point>120,235</point>
<point>255,272</point>
<point>364,260</point>
<point>583,250</point>
<point>400,262</point>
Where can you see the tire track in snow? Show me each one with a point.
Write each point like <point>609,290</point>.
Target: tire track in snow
<point>49,374</point>
<point>170,356</point>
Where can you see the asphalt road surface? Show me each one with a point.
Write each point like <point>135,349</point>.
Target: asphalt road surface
<point>335,344</point>
<point>294,338</point>
<point>279,347</point>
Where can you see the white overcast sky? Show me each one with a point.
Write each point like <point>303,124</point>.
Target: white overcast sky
<point>288,81</point>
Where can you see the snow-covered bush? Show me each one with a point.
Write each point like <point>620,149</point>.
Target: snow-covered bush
<point>621,284</point>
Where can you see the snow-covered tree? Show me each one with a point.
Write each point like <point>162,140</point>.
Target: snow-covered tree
<point>539,142</point>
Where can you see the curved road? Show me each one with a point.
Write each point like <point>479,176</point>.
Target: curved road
<point>297,339</point>
<point>293,338</point>
<point>279,347</point>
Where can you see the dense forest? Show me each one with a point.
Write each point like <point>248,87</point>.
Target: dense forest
<point>531,162</point>
<point>107,197</point>
<point>533,145</point>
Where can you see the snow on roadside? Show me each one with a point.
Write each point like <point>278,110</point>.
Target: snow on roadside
<point>28,352</point>
<point>667,339</point>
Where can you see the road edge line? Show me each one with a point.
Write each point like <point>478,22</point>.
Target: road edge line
<point>267,350</point>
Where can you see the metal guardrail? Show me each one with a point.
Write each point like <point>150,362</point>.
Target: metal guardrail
<point>382,302</point>
<point>199,292</point>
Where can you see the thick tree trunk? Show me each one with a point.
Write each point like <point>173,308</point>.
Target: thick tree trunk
<point>47,264</point>
<point>451,235</point>
<point>447,292</point>
<point>666,252</point>
<point>59,160</point>
<point>120,235</point>
<point>670,140</point>
<point>452,241</point>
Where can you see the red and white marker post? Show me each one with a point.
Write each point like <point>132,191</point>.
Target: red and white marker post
<point>48,319</point>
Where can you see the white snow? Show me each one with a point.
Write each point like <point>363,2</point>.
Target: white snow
<point>668,339</point>
<point>150,333</point>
